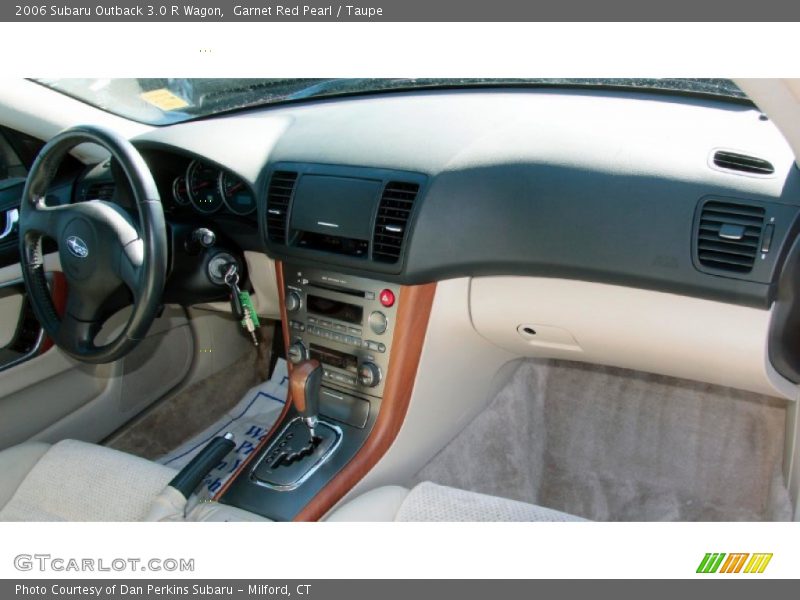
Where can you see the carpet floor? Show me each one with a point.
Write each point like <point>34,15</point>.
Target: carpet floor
<point>177,418</point>
<point>616,445</point>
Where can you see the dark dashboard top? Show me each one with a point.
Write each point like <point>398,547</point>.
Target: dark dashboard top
<point>611,187</point>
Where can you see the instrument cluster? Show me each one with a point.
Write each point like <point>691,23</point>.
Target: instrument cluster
<point>208,189</point>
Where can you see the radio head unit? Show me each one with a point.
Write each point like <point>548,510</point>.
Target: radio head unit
<point>345,322</point>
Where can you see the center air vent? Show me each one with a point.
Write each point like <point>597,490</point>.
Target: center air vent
<point>281,187</point>
<point>728,235</point>
<point>734,161</point>
<point>392,220</point>
<point>99,191</point>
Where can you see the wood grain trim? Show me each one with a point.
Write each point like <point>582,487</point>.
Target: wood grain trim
<point>298,382</point>
<point>413,313</point>
<point>287,406</point>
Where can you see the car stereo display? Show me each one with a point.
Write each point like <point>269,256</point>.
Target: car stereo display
<point>334,358</point>
<point>325,307</point>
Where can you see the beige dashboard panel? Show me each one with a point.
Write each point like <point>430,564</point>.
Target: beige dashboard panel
<point>637,329</point>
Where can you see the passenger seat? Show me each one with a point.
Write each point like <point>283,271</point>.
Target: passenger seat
<point>431,502</point>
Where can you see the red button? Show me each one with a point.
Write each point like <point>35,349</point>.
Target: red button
<point>387,298</point>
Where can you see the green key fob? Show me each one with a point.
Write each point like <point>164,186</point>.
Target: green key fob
<point>247,303</point>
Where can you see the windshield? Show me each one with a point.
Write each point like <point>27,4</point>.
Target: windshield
<point>166,101</point>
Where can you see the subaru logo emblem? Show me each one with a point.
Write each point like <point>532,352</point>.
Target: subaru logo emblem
<point>77,246</point>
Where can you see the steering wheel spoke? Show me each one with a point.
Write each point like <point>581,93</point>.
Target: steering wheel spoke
<point>43,221</point>
<point>76,336</point>
<point>81,322</point>
<point>130,266</point>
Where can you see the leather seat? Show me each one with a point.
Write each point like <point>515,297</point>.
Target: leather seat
<point>76,481</point>
<point>431,502</point>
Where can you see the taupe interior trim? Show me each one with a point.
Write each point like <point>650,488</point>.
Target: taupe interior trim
<point>656,332</point>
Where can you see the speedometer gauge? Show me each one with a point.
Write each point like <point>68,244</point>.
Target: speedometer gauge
<point>236,194</point>
<point>201,181</point>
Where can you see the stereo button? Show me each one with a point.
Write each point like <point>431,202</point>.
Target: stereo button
<point>369,375</point>
<point>293,301</point>
<point>378,322</point>
<point>297,353</point>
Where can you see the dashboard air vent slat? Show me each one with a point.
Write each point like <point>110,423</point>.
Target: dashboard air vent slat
<point>734,161</point>
<point>99,191</point>
<point>728,235</point>
<point>394,211</point>
<point>279,195</point>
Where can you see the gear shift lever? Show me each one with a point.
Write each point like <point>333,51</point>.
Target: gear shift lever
<point>304,384</point>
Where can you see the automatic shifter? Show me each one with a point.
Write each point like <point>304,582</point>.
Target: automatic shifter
<point>304,385</point>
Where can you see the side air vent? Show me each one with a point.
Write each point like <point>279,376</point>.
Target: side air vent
<point>390,225</point>
<point>281,187</point>
<point>99,191</point>
<point>728,235</point>
<point>734,161</point>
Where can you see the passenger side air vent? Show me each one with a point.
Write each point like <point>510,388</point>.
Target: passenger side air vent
<point>279,195</point>
<point>728,235</point>
<point>99,191</point>
<point>392,220</point>
<point>734,161</point>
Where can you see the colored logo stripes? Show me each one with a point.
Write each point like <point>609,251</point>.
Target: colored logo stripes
<point>719,562</point>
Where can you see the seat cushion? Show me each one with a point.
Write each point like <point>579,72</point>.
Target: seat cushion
<point>76,481</point>
<point>381,504</point>
<point>15,464</point>
<point>431,502</point>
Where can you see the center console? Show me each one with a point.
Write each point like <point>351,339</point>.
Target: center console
<point>353,342</point>
<point>347,324</point>
<point>344,322</point>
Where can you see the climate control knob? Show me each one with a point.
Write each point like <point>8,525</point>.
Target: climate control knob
<point>369,375</point>
<point>297,353</point>
<point>293,301</point>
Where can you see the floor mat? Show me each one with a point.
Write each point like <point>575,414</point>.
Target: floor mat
<point>612,444</point>
<point>179,417</point>
<point>249,421</point>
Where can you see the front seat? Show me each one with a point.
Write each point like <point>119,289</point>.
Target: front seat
<point>431,502</point>
<point>76,481</point>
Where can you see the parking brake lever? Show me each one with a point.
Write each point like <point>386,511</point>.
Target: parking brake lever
<point>304,384</point>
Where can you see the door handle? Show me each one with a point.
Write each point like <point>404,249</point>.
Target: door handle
<point>12,218</point>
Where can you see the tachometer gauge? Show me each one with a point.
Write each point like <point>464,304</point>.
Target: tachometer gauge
<point>236,194</point>
<point>179,191</point>
<point>203,187</point>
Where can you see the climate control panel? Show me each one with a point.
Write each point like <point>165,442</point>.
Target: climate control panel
<point>345,322</point>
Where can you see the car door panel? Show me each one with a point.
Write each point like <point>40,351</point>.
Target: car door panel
<point>11,300</point>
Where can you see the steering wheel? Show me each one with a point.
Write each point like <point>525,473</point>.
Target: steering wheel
<point>100,249</point>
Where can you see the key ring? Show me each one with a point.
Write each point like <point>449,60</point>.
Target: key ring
<point>232,276</point>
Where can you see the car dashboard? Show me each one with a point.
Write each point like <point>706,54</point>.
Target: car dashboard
<point>419,245</point>
<point>691,197</point>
